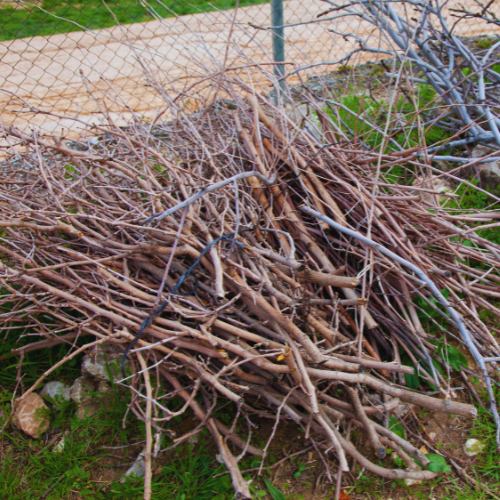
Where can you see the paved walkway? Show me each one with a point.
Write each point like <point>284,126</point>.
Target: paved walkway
<point>71,73</point>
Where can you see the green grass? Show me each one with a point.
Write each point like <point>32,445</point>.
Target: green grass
<point>471,199</point>
<point>487,463</point>
<point>27,20</point>
<point>365,111</point>
<point>31,470</point>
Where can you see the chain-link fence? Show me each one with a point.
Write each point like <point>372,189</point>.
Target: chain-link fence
<point>64,57</point>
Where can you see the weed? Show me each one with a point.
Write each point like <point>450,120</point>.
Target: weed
<point>363,112</point>
<point>484,43</point>
<point>344,68</point>
<point>367,484</point>
<point>273,491</point>
<point>377,71</point>
<point>301,467</point>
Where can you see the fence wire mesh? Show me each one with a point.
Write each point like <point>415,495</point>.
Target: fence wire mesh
<point>71,59</point>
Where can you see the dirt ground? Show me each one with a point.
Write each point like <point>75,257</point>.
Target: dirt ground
<point>72,73</point>
<point>446,432</point>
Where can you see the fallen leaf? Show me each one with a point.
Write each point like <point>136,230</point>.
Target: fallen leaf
<point>344,496</point>
<point>423,449</point>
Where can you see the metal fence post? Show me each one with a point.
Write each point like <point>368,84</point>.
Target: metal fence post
<point>277,21</point>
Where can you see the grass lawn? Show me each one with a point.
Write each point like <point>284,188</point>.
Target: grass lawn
<point>27,20</point>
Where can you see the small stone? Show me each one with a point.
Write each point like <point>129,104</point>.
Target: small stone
<point>59,446</point>
<point>434,183</point>
<point>96,365</point>
<point>104,387</point>
<point>304,115</point>
<point>403,409</point>
<point>56,392</point>
<point>489,170</point>
<point>80,390</point>
<point>473,447</point>
<point>87,409</point>
<point>193,439</point>
<point>31,415</point>
<point>80,394</point>
<point>137,470</point>
<point>412,482</point>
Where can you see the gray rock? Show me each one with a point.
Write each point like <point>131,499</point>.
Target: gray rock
<point>56,392</point>
<point>87,406</point>
<point>87,409</point>
<point>59,446</point>
<point>80,390</point>
<point>489,171</point>
<point>412,482</point>
<point>435,183</point>
<point>138,469</point>
<point>101,365</point>
<point>304,115</point>
<point>104,387</point>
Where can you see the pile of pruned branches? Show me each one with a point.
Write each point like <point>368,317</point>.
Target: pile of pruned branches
<point>233,254</point>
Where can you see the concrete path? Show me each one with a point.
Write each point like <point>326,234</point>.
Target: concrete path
<point>70,73</point>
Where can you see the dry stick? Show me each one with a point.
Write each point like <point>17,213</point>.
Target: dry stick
<point>442,405</point>
<point>378,449</point>
<point>455,316</point>
<point>325,279</point>
<point>376,365</point>
<point>381,471</point>
<point>307,385</point>
<point>239,483</point>
<point>311,181</point>
<point>43,344</point>
<point>218,266</point>
<point>209,189</point>
<point>333,434</point>
<point>149,437</point>
<point>262,197</point>
<point>298,225</point>
<point>410,463</point>
<point>325,331</point>
<point>171,257</point>
<point>368,410</point>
